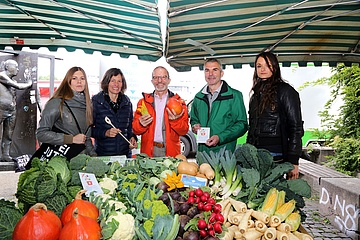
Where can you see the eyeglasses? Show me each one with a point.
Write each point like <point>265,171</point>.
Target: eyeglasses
<point>157,78</point>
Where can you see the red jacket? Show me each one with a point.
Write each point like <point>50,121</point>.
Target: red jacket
<point>173,129</point>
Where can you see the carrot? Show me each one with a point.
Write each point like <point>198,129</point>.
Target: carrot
<point>238,205</point>
<point>252,234</point>
<point>274,221</point>
<point>281,235</point>
<point>260,226</point>
<point>243,225</point>
<point>261,216</point>
<point>270,233</point>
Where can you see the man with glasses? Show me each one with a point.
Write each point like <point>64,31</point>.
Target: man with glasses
<point>219,109</point>
<point>160,128</point>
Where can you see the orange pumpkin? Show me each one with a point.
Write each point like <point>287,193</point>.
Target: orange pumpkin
<point>38,224</point>
<point>85,208</point>
<point>174,104</point>
<point>80,227</point>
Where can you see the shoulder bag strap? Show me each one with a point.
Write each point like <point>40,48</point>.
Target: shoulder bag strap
<point>77,124</point>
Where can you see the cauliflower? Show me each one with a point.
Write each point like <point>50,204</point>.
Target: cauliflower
<point>126,228</point>
<point>108,184</point>
<point>118,205</point>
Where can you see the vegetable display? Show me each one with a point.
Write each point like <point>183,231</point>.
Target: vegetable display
<point>144,198</point>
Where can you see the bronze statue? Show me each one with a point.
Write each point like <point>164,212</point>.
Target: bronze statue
<point>8,88</point>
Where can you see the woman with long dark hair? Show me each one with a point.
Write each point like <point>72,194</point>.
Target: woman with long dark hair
<point>112,103</point>
<point>275,121</point>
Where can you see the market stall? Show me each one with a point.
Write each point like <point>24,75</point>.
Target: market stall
<point>224,195</point>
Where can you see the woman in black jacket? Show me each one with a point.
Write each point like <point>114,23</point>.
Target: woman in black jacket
<point>111,102</point>
<point>275,121</point>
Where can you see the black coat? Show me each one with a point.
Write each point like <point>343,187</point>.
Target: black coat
<point>278,130</point>
<point>122,119</point>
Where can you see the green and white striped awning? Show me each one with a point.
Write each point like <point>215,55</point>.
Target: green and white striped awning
<point>126,27</point>
<point>232,30</point>
<point>235,31</point>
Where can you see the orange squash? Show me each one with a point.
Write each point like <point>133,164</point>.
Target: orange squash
<point>187,168</point>
<point>38,224</point>
<point>80,227</point>
<point>175,105</point>
<point>84,207</point>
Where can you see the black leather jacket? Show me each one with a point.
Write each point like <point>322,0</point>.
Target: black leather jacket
<point>278,130</point>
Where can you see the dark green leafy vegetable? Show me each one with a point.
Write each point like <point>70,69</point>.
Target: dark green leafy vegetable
<point>9,217</point>
<point>42,183</point>
<point>260,174</point>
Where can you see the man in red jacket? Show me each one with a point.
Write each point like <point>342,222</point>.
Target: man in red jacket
<point>160,128</point>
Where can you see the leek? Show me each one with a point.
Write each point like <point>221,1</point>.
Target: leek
<point>229,169</point>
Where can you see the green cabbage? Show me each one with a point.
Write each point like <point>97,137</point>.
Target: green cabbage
<point>60,165</point>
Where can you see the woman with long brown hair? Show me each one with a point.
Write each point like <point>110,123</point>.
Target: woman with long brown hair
<point>67,116</point>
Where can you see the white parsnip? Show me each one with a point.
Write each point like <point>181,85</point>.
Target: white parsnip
<point>252,234</point>
<point>239,206</point>
<point>260,226</point>
<point>284,227</point>
<point>243,225</point>
<point>270,233</point>
<point>251,223</point>
<point>281,235</point>
<point>303,236</point>
<point>235,217</point>
<point>292,236</point>
<point>265,218</point>
<point>274,221</point>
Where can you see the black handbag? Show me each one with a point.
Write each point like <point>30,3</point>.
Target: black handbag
<point>46,151</point>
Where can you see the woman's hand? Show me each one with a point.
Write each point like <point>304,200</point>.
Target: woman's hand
<point>112,132</point>
<point>79,139</point>
<point>133,143</point>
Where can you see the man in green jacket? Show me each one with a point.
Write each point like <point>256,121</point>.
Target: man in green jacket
<point>218,107</point>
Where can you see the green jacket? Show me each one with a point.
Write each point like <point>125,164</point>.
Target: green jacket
<point>227,119</point>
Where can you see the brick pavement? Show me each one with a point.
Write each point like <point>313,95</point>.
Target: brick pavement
<point>317,226</point>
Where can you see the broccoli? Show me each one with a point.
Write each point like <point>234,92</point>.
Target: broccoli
<point>158,208</point>
<point>148,224</point>
<point>97,167</point>
<point>79,162</point>
<point>142,195</point>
